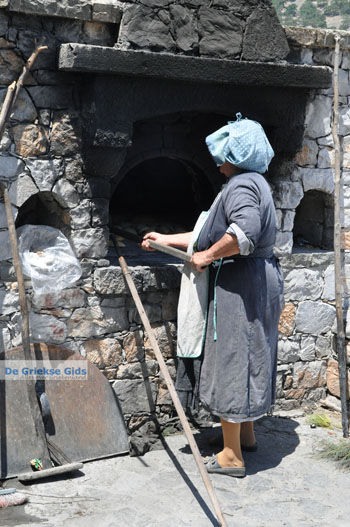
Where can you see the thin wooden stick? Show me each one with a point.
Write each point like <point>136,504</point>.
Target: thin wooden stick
<point>5,109</point>
<point>178,406</point>
<point>10,99</point>
<point>338,267</point>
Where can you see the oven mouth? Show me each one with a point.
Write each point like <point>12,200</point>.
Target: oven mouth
<point>161,194</point>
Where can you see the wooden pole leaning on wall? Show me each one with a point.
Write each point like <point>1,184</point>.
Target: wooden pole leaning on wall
<point>175,398</point>
<point>338,264</point>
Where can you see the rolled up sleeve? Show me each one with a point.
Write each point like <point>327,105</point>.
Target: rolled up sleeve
<point>242,210</point>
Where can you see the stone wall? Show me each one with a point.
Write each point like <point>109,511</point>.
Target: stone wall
<point>307,328</point>
<point>42,155</point>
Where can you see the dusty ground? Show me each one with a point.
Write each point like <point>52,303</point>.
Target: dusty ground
<point>286,485</point>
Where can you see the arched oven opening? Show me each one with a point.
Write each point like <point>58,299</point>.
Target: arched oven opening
<point>163,194</point>
<point>314,221</point>
<point>43,209</point>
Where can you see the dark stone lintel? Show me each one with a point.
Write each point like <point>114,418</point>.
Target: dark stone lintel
<point>105,60</point>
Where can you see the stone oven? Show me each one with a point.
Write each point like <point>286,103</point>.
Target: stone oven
<point>109,132</point>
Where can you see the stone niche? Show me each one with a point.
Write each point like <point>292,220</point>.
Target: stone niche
<point>314,221</point>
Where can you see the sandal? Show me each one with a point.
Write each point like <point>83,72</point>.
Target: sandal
<point>213,467</point>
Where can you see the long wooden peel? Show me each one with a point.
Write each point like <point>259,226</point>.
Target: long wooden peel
<point>170,385</point>
<point>338,267</point>
<point>172,251</point>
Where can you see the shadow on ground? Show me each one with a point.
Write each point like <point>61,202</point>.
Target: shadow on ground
<point>277,438</point>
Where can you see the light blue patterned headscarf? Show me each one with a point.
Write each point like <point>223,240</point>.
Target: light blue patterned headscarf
<point>243,143</point>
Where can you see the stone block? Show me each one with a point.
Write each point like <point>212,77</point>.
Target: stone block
<point>103,352</point>
<point>303,284</point>
<point>324,57</point>
<point>46,328</point>
<point>81,215</point>
<point>53,97</point>
<point>332,375</point>
<point>310,375</point>
<point>10,167</point>
<point>288,220</point>
<point>5,252</point>
<point>306,56</point>
<point>159,278</point>
<point>65,194</point>
<point>325,158</point>
<point>110,280</point>
<point>133,346</point>
<point>169,305</point>
<point>185,30</point>
<point>287,320</point>
<point>107,11</point>
<point>9,302</point>
<point>95,322</point>
<point>324,347</point>
<point>45,172</point>
<point>329,288</point>
<point>220,34</point>
<point>164,336</point>
<point>135,396</point>
<point>99,212</point>
<point>153,312</point>
<point>345,239</point>
<point>5,142</point>
<point>79,9</point>
<point>288,194</point>
<point>69,298</point>
<point>288,351</point>
<point>89,243</point>
<point>283,244</point>
<point>326,141</point>
<point>344,83</point>
<point>24,109</point>
<point>3,20</point>
<point>97,34</point>
<point>22,189</point>
<point>314,317</point>
<point>307,155</point>
<point>73,170</point>
<point>3,217</point>
<point>307,348</point>
<point>30,140</point>
<point>344,120</point>
<point>279,216</point>
<point>11,66</point>
<point>65,135</point>
<point>140,29</point>
<point>317,179</point>
<point>264,38</point>
<point>318,116</point>
<point>345,63</point>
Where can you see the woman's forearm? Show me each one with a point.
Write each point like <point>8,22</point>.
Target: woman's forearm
<point>182,239</point>
<point>226,246</point>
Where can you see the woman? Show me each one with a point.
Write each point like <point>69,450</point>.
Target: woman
<point>235,374</point>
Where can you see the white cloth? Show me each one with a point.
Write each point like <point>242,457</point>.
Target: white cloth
<point>193,301</point>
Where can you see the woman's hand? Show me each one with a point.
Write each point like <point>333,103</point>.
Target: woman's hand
<point>156,237</point>
<point>201,260</point>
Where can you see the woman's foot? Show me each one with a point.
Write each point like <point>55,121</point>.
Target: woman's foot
<point>227,459</point>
